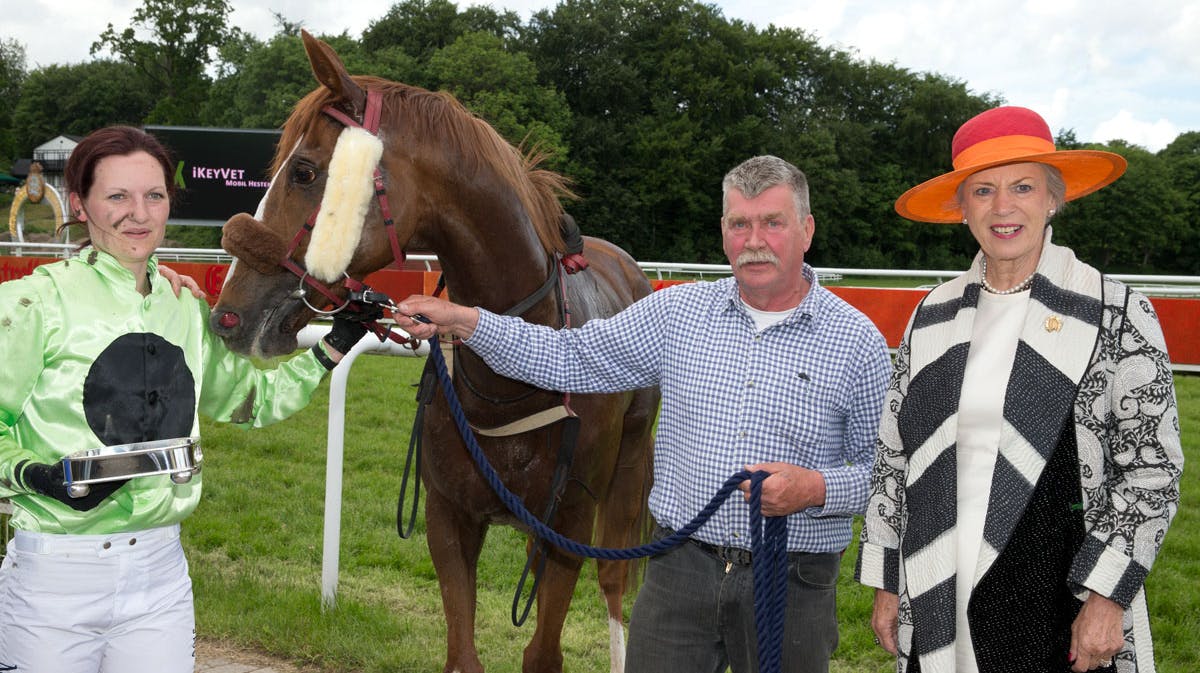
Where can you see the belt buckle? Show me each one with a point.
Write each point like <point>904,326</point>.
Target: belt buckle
<point>733,556</point>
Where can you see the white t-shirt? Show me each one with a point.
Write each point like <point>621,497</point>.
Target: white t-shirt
<point>764,319</point>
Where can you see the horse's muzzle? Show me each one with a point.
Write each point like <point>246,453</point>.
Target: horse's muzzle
<point>252,243</point>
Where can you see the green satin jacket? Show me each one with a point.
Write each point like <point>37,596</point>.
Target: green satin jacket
<point>86,361</point>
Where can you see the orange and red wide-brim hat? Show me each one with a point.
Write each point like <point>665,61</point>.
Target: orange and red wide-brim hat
<point>1006,135</point>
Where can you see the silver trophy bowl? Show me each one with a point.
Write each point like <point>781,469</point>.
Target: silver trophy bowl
<point>180,458</point>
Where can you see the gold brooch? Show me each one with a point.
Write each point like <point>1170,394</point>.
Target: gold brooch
<point>1053,324</point>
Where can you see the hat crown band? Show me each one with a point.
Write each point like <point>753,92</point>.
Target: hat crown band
<point>1013,148</point>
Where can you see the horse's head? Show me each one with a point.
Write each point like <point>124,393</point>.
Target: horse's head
<point>319,223</point>
<point>451,185</point>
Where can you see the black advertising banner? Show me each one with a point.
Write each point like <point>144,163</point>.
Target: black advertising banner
<point>218,172</point>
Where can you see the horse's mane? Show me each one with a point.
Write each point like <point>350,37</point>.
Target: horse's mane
<point>440,115</point>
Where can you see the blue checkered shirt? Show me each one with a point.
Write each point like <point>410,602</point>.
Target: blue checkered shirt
<point>808,390</point>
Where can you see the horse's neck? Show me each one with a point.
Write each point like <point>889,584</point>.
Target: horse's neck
<point>498,278</point>
<point>499,282</point>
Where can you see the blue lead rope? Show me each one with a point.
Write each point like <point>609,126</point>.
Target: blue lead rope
<point>768,540</point>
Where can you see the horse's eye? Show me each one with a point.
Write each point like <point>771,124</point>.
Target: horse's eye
<point>304,175</point>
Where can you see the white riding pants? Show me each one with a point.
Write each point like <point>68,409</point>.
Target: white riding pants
<point>96,604</point>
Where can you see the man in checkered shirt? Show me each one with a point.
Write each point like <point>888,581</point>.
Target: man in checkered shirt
<point>766,370</point>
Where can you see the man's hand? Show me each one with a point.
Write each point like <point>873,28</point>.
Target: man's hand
<point>423,317</point>
<point>788,489</point>
<point>179,281</point>
<point>49,480</point>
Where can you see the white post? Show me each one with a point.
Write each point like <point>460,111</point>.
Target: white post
<point>334,446</point>
<point>334,450</point>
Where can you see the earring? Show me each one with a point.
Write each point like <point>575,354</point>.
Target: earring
<point>964,220</point>
<point>1051,213</point>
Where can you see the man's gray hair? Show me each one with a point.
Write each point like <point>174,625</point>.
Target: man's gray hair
<point>758,174</point>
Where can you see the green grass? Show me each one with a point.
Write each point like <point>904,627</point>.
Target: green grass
<point>1171,587</point>
<point>254,546</point>
<point>255,552</point>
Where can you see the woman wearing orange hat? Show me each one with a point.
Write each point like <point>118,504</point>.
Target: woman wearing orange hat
<point>1029,454</point>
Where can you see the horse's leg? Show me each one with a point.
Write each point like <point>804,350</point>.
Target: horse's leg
<point>543,654</point>
<point>622,515</point>
<point>454,546</point>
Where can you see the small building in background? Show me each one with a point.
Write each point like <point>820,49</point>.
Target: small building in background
<point>52,155</point>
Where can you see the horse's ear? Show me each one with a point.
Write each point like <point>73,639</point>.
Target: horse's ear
<point>328,70</point>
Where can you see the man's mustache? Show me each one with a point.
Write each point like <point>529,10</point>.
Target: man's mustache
<point>756,257</point>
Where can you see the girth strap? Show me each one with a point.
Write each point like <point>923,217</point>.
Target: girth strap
<point>532,422</point>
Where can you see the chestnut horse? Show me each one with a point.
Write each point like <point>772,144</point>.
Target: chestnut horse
<point>456,188</point>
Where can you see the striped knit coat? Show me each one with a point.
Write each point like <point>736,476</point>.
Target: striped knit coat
<point>1085,484</point>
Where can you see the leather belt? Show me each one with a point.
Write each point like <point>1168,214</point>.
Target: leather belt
<point>730,556</point>
<point>735,555</point>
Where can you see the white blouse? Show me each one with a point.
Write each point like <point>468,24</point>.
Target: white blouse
<point>994,335</point>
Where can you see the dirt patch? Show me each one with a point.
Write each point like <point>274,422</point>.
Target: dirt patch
<point>210,652</point>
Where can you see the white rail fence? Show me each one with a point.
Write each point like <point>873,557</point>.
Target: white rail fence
<point>1155,285</point>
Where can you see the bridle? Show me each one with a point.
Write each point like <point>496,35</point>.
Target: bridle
<point>370,124</point>
<point>360,292</point>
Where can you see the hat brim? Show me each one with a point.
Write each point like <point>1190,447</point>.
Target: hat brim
<point>1083,171</point>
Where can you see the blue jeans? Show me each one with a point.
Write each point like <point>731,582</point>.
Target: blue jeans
<point>694,617</point>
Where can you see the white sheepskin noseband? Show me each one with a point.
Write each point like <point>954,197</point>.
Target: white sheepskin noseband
<point>348,192</point>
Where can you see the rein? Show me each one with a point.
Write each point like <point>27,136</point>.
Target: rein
<point>768,535</point>
<point>545,418</point>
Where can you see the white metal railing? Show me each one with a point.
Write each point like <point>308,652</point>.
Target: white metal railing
<point>335,445</point>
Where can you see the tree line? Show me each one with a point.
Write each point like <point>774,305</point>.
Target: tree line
<point>644,104</point>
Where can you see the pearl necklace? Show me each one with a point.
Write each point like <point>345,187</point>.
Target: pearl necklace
<point>1019,287</point>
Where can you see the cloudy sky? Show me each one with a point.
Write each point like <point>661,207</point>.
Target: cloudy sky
<point>1105,68</point>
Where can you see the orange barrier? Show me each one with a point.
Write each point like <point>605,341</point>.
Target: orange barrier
<point>17,267</point>
<point>1180,320</point>
<point>888,308</point>
<point>396,283</point>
